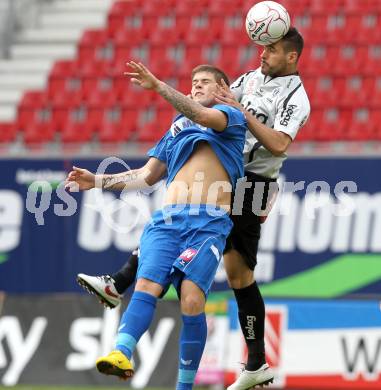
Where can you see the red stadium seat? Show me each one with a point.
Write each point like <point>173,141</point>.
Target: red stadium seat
<point>310,85</point>
<point>348,60</point>
<point>150,132</point>
<point>331,124</point>
<point>339,30</point>
<point>190,8</point>
<point>184,85</point>
<point>153,8</point>
<point>117,125</point>
<point>182,25</point>
<point>324,7</point>
<point>31,102</point>
<point>199,37</point>
<point>376,119</point>
<point>324,94</point>
<point>296,7</point>
<point>163,68</point>
<point>153,130</point>
<point>317,60</point>
<point>360,127</point>
<point>312,26</point>
<point>101,97</point>
<point>165,36</point>
<point>308,131</point>
<point>100,91</point>
<point>64,77</point>
<point>357,7</point>
<point>119,12</point>
<point>371,66</point>
<point>38,132</point>
<point>234,36</point>
<point>223,8</point>
<point>137,99</point>
<point>33,99</point>
<point>77,128</point>
<point>91,44</point>
<point>353,93</point>
<point>125,8</point>
<point>375,93</point>
<point>64,68</point>
<point>7,132</point>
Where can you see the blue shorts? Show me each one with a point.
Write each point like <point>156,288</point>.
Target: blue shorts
<point>183,242</point>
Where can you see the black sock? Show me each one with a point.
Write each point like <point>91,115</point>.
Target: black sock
<point>127,274</point>
<point>251,313</point>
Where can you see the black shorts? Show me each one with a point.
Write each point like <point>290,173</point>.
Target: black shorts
<point>244,237</point>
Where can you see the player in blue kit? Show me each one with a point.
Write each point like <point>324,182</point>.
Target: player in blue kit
<point>184,242</point>
<point>276,107</point>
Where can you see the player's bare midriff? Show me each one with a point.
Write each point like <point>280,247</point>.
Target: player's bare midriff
<point>202,180</point>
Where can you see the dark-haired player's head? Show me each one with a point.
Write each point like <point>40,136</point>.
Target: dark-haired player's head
<point>205,81</point>
<point>281,58</point>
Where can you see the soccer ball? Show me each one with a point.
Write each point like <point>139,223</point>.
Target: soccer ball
<point>267,22</point>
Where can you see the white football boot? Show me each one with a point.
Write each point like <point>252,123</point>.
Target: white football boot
<point>103,287</point>
<point>248,379</point>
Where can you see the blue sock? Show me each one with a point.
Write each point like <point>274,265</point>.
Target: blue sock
<point>135,321</point>
<point>192,343</point>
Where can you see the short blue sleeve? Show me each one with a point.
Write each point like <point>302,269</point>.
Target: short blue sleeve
<point>235,116</point>
<point>159,151</point>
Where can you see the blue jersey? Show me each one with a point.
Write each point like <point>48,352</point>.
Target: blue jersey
<point>178,143</point>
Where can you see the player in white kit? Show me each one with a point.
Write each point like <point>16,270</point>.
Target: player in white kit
<point>276,106</point>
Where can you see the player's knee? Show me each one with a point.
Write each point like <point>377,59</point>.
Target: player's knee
<point>192,304</point>
<point>240,278</point>
<point>192,298</point>
<point>148,286</point>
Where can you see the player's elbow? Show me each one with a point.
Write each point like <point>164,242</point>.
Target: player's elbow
<point>202,117</point>
<point>212,118</point>
<point>151,177</point>
<point>278,150</point>
<point>281,145</point>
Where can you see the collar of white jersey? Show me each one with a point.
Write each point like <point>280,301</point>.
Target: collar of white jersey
<point>278,77</point>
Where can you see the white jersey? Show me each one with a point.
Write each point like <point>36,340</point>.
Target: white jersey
<point>280,103</point>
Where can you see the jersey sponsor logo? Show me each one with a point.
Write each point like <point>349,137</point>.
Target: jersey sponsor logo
<point>288,111</point>
<point>275,328</point>
<point>263,118</point>
<point>303,121</point>
<point>250,327</point>
<point>187,256</point>
<point>180,124</point>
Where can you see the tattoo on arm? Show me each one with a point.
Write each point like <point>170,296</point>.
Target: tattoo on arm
<point>182,103</point>
<point>112,182</point>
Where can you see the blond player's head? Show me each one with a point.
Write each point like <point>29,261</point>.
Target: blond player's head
<point>205,81</point>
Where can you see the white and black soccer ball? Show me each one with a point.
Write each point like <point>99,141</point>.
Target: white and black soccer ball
<point>267,22</point>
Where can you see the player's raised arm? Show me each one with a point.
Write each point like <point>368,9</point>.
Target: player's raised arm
<point>196,108</point>
<point>135,179</point>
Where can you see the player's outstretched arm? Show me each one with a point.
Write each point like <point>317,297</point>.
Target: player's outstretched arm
<point>136,179</point>
<point>208,117</point>
<point>274,141</point>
